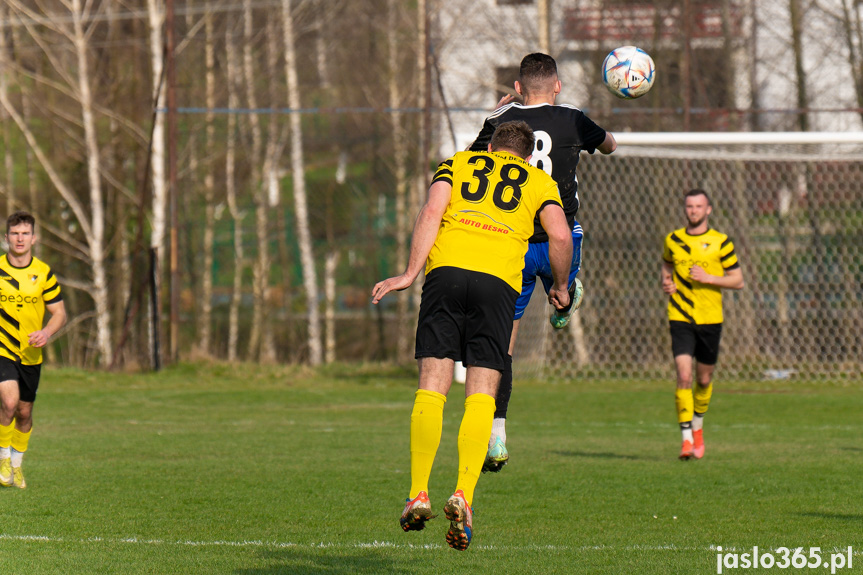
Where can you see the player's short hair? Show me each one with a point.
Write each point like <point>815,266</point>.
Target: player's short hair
<point>19,218</point>
<point>697,192</point>
<point>515,137</point>
<point>537,72</point>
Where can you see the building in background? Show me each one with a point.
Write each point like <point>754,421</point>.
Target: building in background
<point>730,65</point>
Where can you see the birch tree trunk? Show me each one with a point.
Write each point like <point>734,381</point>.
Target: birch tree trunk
<point>796,14</point>
<point>423,98</point>
<point>330,267</point>
<point>262,263</point>
<point>28,153</point>
<point>158,176</point>
<point>324,9</point>
<point>231,193</point>
<point>255,162</point>
<point>299,184</point>
<point>854,42</point>
<point>270,190</point>
<point>403,220</point>
<point>29,162</point>
<point>97,245</point>
<point>205,318</point>
<point>8,160</point>
<point>275,146</point>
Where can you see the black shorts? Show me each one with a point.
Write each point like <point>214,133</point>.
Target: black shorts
<point>465,316</point>
<point>699,341</point>
<point>27,377</point>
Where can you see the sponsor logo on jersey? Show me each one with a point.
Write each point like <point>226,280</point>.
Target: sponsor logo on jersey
<point>18,298</point>
<point>690,263</point>
<point>34,278</point>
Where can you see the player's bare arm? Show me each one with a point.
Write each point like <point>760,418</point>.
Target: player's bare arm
<point>553,221</point>
<point>55,322</point>
<point>608,145</point>
<point>668,285</point>
<point>733,279</point>
<point>424,235</point>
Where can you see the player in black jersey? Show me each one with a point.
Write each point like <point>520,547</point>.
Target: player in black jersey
<point>562,133</point>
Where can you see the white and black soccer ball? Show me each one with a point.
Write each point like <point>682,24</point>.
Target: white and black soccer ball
<point>628,72</point>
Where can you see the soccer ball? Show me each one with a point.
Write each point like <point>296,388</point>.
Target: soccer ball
<point>628,72</point>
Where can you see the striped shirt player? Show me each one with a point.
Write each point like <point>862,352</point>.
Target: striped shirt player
<point>697,264</point>
<point>28,288</point>
<point>694,302</point>
<point>471,236</point>
<point>562,133</point>
<point>24,294</point>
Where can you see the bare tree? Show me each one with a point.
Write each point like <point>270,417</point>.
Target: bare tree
<point>261,266</point>
<point>307,259</point>
<point>796,12</point>
<point>231,194</point>
<point>424,98</point>
<point>92,219</point>
<point>270,189</point>
<point>330,265</point>
<point>8,185</point>
<point>400,151</point>
<point>205,317</point>
<point>854,41</point>
<point>158,175</point>
<point>97,244</point>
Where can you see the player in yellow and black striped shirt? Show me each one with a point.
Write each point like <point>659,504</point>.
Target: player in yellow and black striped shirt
<point>698,263</point>
<point>28,287</point>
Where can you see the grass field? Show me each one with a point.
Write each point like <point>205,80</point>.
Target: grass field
<point>256,470</point>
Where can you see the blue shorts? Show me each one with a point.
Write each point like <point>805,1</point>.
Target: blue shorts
<point>536,264</point>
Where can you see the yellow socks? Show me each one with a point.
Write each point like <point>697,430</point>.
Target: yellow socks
<point>473,441</point>
<point>20,440</point>
<point>426,426</point>
<point>6,435</point>
<point>683,400</point>
<point>701,398</point>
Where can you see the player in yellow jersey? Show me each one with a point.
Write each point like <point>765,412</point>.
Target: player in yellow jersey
<point>698,263</point>
<point>471,236</point>
<point>27,288</point>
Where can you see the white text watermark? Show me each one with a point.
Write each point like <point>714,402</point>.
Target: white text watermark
<point>784,558</point>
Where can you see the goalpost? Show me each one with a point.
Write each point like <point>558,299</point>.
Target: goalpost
<point>792,202</point>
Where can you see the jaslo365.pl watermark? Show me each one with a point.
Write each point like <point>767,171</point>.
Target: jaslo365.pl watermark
<point>783,558</point>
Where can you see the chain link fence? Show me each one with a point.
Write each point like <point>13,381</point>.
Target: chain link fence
<point>795,215</point>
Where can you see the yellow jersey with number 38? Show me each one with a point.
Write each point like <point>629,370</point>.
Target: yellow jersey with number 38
<point>695,302</point>
<point>23,295</point>
<point>495,197</point>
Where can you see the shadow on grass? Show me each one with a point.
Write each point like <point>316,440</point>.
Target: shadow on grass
<point>302,562</point>
<point>601,455</point>
<point>858,449</point>
<point>840,516</point>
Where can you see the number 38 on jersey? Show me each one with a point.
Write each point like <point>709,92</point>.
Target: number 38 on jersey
<point>507,182</point>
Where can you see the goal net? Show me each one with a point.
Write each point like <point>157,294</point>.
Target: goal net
<point>792,203</point>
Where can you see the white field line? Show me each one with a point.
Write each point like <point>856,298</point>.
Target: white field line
<point>377,545</point>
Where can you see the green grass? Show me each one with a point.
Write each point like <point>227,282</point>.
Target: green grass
<point>264,470</point>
